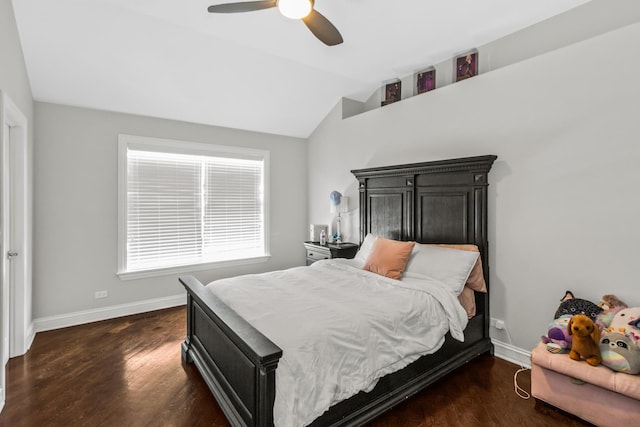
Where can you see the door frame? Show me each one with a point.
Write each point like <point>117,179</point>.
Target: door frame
<point>16,219</point>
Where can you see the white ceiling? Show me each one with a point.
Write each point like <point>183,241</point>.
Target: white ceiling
<point>258,70</point>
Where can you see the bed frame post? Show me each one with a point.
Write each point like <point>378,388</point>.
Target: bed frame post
<point>186,357</point>
<point>362,190</point>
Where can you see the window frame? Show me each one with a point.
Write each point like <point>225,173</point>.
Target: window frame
<point>163,145</point>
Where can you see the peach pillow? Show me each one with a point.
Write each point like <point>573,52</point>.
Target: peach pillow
<point>388,257</point>
<point>467,299</point>
<point>475,280</point>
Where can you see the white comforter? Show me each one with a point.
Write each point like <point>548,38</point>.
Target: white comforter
<point>340,329</point>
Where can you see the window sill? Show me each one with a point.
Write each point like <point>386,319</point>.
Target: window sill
<point>142,274</point>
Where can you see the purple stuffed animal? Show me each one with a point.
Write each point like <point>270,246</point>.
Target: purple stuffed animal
<point>558,339</point>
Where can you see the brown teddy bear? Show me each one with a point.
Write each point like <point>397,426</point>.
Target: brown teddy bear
<point>586,339</point>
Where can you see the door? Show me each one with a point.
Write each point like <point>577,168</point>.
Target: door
<point>16,218</point>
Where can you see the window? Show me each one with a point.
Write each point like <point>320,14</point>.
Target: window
<point>186,206</point>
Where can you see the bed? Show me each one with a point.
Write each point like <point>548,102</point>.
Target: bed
<point>440,202</point>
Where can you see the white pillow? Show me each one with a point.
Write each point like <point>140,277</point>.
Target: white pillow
<point>365,248</point>
<point>450,266</point>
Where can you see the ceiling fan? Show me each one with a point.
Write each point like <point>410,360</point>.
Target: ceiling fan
<point>320,26</point>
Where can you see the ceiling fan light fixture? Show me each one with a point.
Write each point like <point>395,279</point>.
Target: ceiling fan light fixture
<point>295,9</point>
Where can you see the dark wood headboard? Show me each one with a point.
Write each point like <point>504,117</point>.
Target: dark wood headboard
<point>442,201</point>
<point>434,202</point>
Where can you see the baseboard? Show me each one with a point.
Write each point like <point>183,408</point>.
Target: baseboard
<point>511,353</point>
<point>502,350</point>
<point>104,313</point>
<point>24,345</point>
<point>28,339</point>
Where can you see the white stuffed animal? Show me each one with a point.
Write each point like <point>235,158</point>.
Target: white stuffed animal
<point>627,321</point>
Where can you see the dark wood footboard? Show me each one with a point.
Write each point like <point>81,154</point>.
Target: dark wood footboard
<point>237,362</point>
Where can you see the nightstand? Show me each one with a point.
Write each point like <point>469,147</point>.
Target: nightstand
<point>316,251</point>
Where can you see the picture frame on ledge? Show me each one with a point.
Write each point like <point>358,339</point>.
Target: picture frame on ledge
<point>392,93</point>
<point>466,66</point>
<point>425,80</point>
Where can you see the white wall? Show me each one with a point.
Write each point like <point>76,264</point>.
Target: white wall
<point>76,206</point>
<point>563,193</point>
<point>586,21</point>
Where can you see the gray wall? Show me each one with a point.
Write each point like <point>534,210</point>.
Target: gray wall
<point>13,74</point>
<point>563,193</point>
<point>589,20</point>
<point>76,206</point>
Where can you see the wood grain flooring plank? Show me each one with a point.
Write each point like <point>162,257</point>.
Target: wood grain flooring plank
<point>128,372</point>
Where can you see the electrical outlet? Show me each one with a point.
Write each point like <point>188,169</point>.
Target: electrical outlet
<point>101,294</point>
<point>498,323</point>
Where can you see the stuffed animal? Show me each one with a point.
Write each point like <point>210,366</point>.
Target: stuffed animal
<point>610,305</point>
<point>558,339</point>
<point>572,305</point>
<point>610,301</point>
<point>586,339</point>
<point>620,352</point>
<point>625,321</point>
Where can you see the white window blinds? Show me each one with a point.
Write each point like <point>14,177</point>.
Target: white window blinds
<point>188,209</point>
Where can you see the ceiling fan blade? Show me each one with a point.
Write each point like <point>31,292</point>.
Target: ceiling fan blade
<point>322,28</point>
<point>246,6</point>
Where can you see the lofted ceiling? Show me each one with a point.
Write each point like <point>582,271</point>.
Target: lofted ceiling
<point>257,70</point>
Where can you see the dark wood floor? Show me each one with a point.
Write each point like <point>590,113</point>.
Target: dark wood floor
<point>128,372</point>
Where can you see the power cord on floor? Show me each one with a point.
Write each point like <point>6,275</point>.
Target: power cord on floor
<point>522,393</point>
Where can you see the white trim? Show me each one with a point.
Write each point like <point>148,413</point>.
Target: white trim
<point>105,313</point>
<point>503,350</point>
<point>30,335</point>
<point>126,142</point>
<point>511,353</point>
<point>21,229</point>
<point>148,143</point>
<point>131,275</point>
